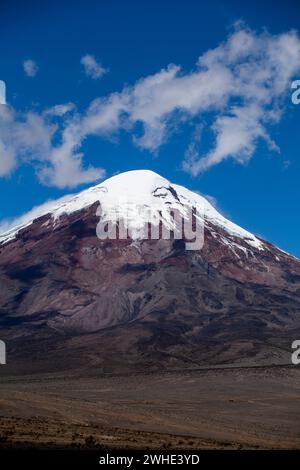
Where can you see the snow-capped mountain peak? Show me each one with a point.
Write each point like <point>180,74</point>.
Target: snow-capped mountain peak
<point>121,194</point>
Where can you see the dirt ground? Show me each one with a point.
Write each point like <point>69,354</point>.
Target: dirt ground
<point>232,408</point>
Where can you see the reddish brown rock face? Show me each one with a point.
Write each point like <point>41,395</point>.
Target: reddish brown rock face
<point>70,300</point>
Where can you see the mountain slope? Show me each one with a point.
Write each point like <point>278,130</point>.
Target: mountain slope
<point>69,299</point>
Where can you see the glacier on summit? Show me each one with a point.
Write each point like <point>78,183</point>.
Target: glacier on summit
<point>133,192</point>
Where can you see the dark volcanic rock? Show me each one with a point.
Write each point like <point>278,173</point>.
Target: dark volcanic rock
<point>70,300</point>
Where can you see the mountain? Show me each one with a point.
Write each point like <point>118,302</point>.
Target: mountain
<point>70,300</point>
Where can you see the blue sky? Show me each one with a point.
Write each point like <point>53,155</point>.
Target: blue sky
<point>75,52</point>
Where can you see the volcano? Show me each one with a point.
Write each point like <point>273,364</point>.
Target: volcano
<point>70,300</point>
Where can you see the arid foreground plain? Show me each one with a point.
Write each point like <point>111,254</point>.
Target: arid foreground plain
<point>234,408</point>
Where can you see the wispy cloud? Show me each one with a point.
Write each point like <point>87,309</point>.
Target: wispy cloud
<point>21,221</point>
<point>242,84</point>
<point>30,67</point>
<point>60,110</point>
<point>92,68</point>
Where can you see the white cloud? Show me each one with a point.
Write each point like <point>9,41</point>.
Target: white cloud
<point>262,68</point>
<point>28,138</point>
<point>30,67</point>
<point>236,137</point>
<point>242,84</point>
<point>60,110</point>
<point>65,167</point>
<point>92,68</point>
